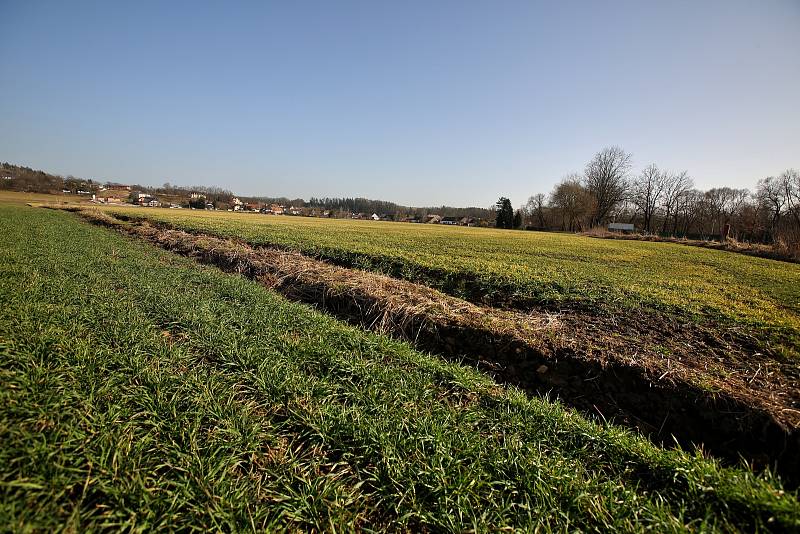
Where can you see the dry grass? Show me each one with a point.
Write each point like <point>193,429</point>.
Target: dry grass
<point>782,250</point>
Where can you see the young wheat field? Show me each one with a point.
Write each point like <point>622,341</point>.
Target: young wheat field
<point>525,269</point>
<point>142,389</point>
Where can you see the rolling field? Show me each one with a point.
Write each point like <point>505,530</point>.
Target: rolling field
<point>20,198</point>
<point>142,390</point>
<point>528,269</point>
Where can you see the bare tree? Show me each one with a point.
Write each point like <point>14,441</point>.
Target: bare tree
<point>689,208</point>
<point>574,202</point>
<point>790,184</point>
<point>751,218</point>
<point>534,210</point>
<point>770,195</point>
<point>676,187</point>
<point>646,193</point>
<point>723,205</point>
<point>606,179</point>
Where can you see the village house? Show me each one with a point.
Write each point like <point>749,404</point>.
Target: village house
<point>145,199</point>
<point>449,220</point>
<point>433,219</point>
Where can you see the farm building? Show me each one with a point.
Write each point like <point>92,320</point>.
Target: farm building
<point>621,227</point>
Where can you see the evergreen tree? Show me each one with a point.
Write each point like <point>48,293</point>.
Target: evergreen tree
<point>505,213</point>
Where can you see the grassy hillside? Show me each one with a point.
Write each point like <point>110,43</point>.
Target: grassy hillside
<point>532,268</point>
<point>143,390</point>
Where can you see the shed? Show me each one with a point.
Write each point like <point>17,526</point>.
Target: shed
<point>621,227</point>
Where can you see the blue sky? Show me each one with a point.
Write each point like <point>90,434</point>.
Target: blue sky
<point>422,103</point>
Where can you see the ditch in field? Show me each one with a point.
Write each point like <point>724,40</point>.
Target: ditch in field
<point>666,377</point>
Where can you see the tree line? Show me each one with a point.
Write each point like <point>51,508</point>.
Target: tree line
<point>347,206</point>
<point>662,201</point>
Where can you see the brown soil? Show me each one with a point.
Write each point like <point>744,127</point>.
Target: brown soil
<point>668,378</point>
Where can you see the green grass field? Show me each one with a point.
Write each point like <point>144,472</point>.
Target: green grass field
<point>533,268</point>
<point>142,390</point>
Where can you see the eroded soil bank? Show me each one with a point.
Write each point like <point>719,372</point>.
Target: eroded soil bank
<point>652,372</point>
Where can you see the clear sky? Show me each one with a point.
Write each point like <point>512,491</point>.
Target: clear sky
<point>422,103</point>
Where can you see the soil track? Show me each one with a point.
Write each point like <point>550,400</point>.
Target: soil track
<point>653,372</point>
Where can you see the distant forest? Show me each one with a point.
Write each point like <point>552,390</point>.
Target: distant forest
<point>20,178</point>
